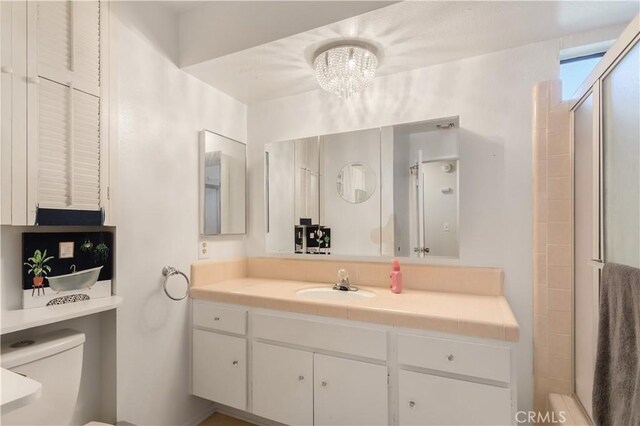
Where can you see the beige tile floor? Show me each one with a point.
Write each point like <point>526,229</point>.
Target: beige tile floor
<point>218,419</point>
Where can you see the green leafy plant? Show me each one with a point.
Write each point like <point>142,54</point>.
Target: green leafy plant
<point>102,252</point>
<point>37,264</point>
<point>87,246</point>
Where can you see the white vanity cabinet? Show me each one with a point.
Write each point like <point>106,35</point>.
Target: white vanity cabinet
<point>478,394</point>
<point>219,359</point>
<point>282,382</point>
<point>306,370</point>
<point>349,392</point>
<point>425,399</point>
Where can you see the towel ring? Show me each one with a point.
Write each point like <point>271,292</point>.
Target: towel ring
<point>167,272</point>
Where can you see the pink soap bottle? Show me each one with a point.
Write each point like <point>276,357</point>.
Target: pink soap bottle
<point>395,278</point>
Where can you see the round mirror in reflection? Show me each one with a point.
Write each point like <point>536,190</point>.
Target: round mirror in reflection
<point>356,182</point>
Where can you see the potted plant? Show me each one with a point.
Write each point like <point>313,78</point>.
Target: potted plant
<point>38,267</point>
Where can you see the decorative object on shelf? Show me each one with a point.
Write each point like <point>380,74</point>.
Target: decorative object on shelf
<point>102,253</point>
<point>37,267</point>
<point>87,246</point>
<point>68,299</point>
<point>75,269</point>
<point>345,69</point>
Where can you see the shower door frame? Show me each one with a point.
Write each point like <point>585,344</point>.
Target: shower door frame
<point>592,86</point>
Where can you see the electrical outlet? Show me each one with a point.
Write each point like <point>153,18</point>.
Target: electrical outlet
<point>203,250</point>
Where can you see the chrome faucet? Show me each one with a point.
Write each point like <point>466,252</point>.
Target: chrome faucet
<point>343,282</point>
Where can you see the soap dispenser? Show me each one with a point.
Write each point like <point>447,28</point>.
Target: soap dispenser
<point>395,277</point>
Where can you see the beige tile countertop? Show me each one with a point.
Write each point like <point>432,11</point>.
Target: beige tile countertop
<point>466,314</point>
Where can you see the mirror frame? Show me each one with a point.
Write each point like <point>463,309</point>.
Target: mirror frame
<point>201,183</point>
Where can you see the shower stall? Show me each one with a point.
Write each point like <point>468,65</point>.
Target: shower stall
<point>606,189</point>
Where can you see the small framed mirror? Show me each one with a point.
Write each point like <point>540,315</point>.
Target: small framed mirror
<point>222,185</point>
<point>356,182</point>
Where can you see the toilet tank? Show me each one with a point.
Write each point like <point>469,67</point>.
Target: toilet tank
<point>55,360</point>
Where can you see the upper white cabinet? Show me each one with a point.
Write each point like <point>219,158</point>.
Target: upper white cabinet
<point>60,155</point>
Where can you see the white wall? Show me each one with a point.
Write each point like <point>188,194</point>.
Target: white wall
<point>492,96</point>
<point>161,110</point>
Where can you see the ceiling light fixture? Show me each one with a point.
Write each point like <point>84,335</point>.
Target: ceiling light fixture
<point>345,69</point>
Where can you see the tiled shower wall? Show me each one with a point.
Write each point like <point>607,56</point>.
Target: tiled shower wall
<point>553,244</point>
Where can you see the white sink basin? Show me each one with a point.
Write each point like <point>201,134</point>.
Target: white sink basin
<point>327,293</point>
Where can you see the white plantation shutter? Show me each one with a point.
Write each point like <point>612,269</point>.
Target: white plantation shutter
<point>69,137</point>
<point>54,133</point>
<point>55,40</point>
<point>87,46</point>
<point>86,151</point>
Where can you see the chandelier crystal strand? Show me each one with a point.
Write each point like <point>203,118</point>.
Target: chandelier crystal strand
<point>345,70</point>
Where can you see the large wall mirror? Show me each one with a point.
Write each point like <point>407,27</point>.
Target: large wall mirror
<point>223,184</point>
<point>391,191</point>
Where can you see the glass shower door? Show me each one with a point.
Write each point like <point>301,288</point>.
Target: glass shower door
<point>621,160</point>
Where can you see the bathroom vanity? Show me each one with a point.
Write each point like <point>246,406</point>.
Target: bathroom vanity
<point>373,360</point>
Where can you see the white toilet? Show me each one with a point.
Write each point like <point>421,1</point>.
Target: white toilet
<point>55,360</point>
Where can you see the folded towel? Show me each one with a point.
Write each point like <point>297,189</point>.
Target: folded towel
<point>616,385</point>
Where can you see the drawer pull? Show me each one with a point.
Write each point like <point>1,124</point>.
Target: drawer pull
<point>300,378</point>
<point>235,363</point>
<point>323,384</point>
<point>7,70</point>
<point>450,357</point>
<point>412,404</point>
<point>216,318</point>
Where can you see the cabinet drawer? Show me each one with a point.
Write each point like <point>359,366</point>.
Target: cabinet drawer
<point>370,342</point>
<point>470,359</point>
<point>220,368</point>
<point>216,317</point>
<point>431,400</point>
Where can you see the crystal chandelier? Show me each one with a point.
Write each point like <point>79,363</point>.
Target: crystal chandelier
<point>345,69</point>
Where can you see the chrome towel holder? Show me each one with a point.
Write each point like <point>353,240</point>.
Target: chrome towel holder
<point>169,271</point>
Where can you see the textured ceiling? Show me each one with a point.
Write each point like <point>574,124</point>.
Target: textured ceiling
<point>410,34</point>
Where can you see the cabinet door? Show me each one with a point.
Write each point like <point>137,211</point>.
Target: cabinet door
<point>431,400</point>
<point>349,392</point>
<point>64,93</point>
<point>283,384</point>
<point>220,368</point>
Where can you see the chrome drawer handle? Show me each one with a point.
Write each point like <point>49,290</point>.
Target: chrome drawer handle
<point>323,384</point>
<point>450,357</point>
<point>216,318</point>
<point>300,378</point>
<point>412,404</point>
<point>235,363</point>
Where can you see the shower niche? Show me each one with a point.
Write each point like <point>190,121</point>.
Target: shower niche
<point>387,191</point>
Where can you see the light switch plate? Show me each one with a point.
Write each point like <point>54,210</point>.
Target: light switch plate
<point>203,250</point>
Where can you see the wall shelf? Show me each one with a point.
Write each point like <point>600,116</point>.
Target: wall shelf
<point>21,319</point>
